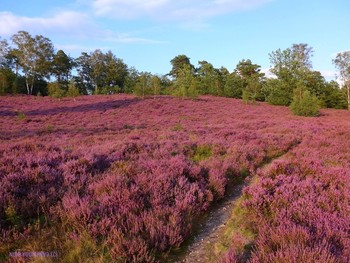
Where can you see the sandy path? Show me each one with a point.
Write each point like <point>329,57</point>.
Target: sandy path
<point>210,231</point>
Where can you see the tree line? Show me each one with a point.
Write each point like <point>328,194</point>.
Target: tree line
<point>30,64</point>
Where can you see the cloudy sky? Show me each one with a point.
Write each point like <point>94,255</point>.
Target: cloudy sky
<point>148,34</point>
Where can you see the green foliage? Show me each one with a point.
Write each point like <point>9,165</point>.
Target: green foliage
<point>108,90</point>
<point>11,216</point>
<point>85,249</point>
<point>209,79</point>
<point>333,97</point>
<point>177,127</point>
<point>62,66</point>
<point>304,103</point>
<point>143,85</point>
<point>291,66</point>
<point>186,84</point>
<point>21,116</point>
<point>7,78</point>
<point>156,84</point>
<point>251,78</point>
<point>291,63</point>
<point>254,89</point>
<point>248,97</point>
<point>34,56</point>
<point>72,91</point>
<point>192,91</point>
<point>202,152</point>
<point>98,69</point>
<point>342,63</point>
<point>55,90</point>
<point>30,60</point>
<point>233,87</point>
<point>178,64</point>
<point>278,92</point>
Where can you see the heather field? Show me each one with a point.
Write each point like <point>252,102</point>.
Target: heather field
<point>122,179</point>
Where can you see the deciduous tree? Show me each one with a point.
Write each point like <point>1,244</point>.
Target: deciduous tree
<point>251,77</point>
<point>178,63</point>
<point>342,63</point>
<point>291,67</point>
<point>34,56</point>
<point>62,66</point>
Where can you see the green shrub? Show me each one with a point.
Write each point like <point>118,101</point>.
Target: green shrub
<point>248,97</point>
<point>21,116</point>
<point>55,90</point>
<point>304,103</point>
<point>108,90</point>
<point>202,152</point>
<point>72,91</point>
<point>278,92</point>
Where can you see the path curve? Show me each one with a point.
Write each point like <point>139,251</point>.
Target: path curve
<point>210,230</point>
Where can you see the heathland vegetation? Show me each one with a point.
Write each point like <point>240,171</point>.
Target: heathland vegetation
<point>128,176</point>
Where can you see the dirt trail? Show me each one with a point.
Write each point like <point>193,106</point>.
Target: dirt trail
<point>210,230</point>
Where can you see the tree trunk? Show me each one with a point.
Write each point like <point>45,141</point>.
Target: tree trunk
<point>27,86</point>
<point>32,86</point>
<point>348,93</point>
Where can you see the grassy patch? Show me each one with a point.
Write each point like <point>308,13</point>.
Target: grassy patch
<point>21,116</point>
<point>202,152</point>
<point>177,127</point>
<point>236,234</point>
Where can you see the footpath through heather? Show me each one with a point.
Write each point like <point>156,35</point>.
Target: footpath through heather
<point>211,230</point>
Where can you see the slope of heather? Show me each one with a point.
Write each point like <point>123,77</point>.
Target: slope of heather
<point>116,178</point>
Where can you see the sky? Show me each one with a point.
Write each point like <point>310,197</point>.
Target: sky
<point>148,34</point>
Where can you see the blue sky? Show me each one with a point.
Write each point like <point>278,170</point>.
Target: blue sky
<point>148,34</point>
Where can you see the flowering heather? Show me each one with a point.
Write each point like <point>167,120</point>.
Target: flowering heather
<point>299,207</point>
<point>130,177</point>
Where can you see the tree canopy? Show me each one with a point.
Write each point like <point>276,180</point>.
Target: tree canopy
<point>31,64</point>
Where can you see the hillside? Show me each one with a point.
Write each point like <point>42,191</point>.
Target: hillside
<point>122,179</point>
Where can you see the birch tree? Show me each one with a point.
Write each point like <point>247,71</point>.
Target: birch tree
<point>342,63</point>
<point>34,56</point>
<point>4,50</point>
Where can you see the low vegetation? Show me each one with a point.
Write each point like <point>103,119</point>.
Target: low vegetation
<point>112,180</point>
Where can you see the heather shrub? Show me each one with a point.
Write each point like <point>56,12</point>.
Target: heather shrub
<point>95,180</point>
<point>230,257</point>
<point>143,203</point>
<point>304,103</point>
<point>32,183</point>
<point>313,228</point>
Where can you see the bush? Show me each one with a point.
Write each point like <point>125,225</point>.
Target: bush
<point>304,103</point>
<point>73,91</point>
<point>108,90</point>
<point>278,92</point>
<point>55,90</point>
<point>248,97</point>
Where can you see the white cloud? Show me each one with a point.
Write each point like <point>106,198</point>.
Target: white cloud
<point>63,22</point>
<point>328,73</point>
<point>128,39</point>
<point>66,24</point>
<point>268,73</point>
<point>170,9</point>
